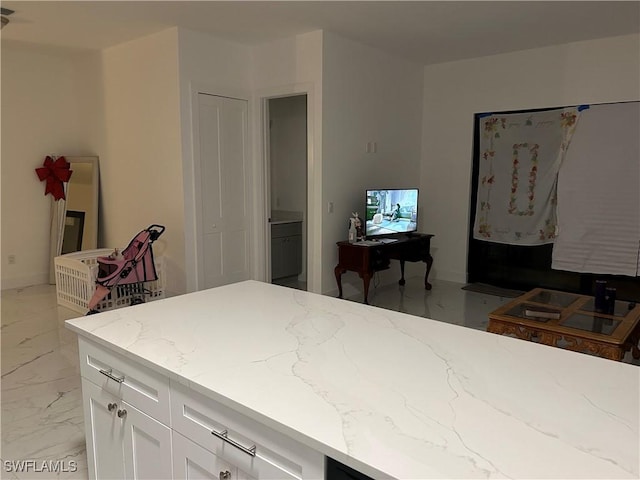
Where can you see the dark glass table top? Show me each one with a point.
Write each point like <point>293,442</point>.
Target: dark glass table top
<point>591,323</point>
<point>556,299</point>
<point>621,308</point>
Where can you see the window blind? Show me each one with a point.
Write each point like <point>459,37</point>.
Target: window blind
<point>599,194</point>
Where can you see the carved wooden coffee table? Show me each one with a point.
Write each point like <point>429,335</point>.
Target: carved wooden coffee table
<point>579,327</point>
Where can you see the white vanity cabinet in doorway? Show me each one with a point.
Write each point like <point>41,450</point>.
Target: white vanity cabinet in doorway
<point>286,249</point>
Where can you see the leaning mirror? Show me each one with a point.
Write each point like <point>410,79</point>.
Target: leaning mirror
<point>74,221</point>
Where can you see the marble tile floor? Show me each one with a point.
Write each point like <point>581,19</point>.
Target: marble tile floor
<point>42,418</point>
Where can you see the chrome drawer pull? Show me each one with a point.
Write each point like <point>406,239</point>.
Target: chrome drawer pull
<point>108,373</point>
<point>223,435</point>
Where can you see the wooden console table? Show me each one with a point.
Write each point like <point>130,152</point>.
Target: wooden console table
<point>578,327</point>
<point>366,258</point>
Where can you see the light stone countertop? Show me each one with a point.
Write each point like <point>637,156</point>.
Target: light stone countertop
<point>279,217</point>
<point>387,393</point>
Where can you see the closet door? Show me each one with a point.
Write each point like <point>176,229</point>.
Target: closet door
<point>224,216</point>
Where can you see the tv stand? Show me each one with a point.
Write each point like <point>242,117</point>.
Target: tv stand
<point>365,259</point>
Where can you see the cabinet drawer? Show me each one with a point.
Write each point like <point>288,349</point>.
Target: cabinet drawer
<point>276,456</point>
<point>286,229</point>
<point>139,386</point>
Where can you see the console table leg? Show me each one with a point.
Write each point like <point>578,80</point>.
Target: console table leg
<point>365,280</point>
<point>401,281</point>
<point>338,273</point>
<point>429,262</point>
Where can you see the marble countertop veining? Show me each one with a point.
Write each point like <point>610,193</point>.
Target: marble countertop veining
<point>389,394</point>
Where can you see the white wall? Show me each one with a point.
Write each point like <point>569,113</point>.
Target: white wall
<point>213,66</point>
<point>598,71</point>
<point>288,153</point>
<point>49,106</point>
<point>141,167</point>
<point>291,66</point>
<point>368,96</point>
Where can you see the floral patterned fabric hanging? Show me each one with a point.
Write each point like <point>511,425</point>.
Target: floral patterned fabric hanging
<point>520,155</point>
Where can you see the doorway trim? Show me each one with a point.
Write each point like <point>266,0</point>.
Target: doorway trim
<point>314,183</point>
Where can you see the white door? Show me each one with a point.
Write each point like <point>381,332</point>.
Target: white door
<point>195,463</point>
<point>147,445</point>
<point>105,453</point>
<point>224,220</point>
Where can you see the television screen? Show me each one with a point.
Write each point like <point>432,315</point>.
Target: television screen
<point>391,211</point>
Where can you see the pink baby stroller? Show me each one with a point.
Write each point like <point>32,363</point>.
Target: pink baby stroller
<point>129,270</point>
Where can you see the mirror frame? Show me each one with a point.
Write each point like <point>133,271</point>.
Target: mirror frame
<point>59,213</point>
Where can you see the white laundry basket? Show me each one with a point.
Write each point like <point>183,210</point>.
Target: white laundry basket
<point>76,282</point>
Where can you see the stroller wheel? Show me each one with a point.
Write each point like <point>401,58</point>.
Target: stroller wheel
<point>92,312</point>
<point>137,301</point>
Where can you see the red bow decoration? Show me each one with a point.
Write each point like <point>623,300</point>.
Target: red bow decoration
<point>55,172</point>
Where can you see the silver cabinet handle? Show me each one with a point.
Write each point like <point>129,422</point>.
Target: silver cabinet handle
<point>122,413</point>
<point>112,406</point>
<point>107,373</point>
<point>224,475</point>
<point>223,435</point>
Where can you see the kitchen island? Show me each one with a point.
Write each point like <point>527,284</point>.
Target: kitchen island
<point>301,376</point>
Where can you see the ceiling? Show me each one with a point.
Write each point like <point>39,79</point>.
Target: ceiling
<point>423,31</point>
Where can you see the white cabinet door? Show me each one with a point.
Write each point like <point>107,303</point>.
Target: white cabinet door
<point>192,461</point>
<point>105,454</point>
<point>223,213</point>
<point>147,445</point>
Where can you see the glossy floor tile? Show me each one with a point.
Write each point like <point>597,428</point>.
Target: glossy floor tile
<point>42,419</point>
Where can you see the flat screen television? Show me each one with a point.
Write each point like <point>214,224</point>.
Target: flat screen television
<point>391,211</point>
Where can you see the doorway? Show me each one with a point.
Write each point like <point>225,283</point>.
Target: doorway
<point>287,190</point>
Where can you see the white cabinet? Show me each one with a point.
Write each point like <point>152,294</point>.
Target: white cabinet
<point>120,399</point>
<point>105,445</point>
<point>192,461</point>
<point>286,249</point>
<point>257,451</point>
<point>147,446</point>
<point>124,442</point>
<point>141,426</point>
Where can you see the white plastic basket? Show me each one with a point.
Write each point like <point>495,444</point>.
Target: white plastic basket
<point>76,282</point>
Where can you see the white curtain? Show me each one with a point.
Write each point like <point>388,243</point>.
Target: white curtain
<point>599,194</point>
<point>520,155</point>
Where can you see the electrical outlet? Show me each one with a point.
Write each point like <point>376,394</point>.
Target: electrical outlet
<point>330,207</point>
<point>11,259</point>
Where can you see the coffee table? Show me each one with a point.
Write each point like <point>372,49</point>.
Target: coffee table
<point>579,327</point>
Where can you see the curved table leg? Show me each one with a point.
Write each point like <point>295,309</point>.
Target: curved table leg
<point>366,279</point>
<point>429,262</point>
<point>338,273</point>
